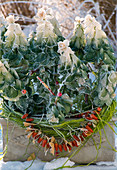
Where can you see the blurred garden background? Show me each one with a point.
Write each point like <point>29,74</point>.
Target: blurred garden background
<point>65,11</point>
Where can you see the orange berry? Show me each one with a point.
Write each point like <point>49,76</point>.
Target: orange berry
<point>44,142</point>
<point>74,143</point>
<point>48,145</point>
<point>93,117</point>
<point>24,91</point>
<point>24,116</point>
<point>56,146</point>
<point>34,134</point>
<point>82,139</point>
<point>89,129</point>
<point>29,119</point>
<point>40,139</point>
<point>99,109</point>
<point>64,147</point>
<point>84,134</point>
<point>75,137</point>
<point>60,147</point>
<point>69,147</point>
